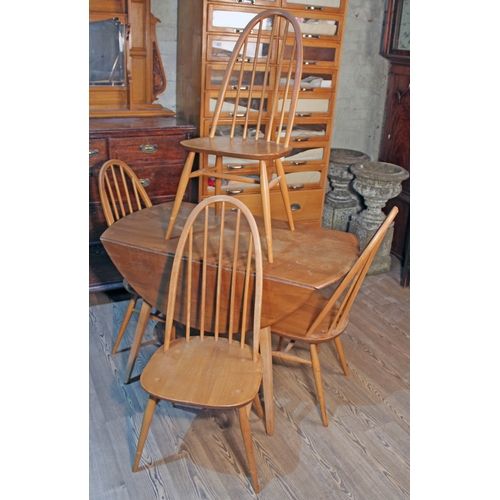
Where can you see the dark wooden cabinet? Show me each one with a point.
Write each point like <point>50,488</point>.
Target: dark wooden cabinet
<point>151,146</point>
<point>395,147</point>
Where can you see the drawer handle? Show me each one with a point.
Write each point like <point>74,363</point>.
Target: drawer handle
<point>247,59</point>
<point>235,167</point>
<point>312,7</point>
<point>144,182</point>
<point>237,30</point>
<point>246,1</point>
<point>310,63</point>
<point>300,139</point>
<point>238,115</point>
<point>295,206</point>
<point>298,162</point>
<point>148,148</point>
<point>234,191</point>
<point>93,152</point>
<point>296,186</point>
<point>235,87</point>
<point>306,35</point>
<point>303,114</point>
<point>304,89</point>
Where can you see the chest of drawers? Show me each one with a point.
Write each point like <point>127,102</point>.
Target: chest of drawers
<point>151,146</point>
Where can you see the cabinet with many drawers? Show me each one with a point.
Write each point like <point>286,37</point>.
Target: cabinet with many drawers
<point>206,37</point>
<point>151,146</point>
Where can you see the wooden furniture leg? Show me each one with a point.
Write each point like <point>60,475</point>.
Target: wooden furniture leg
<point>146,422</point>
<point>267,378</point>
<point>338,345</point>
<point>284,193</point>
<point>266,209</point>
<point>136,343</point>
<point>126,319</point>
<point>319,384</point>
<point>247,440</point>
<point>183,183</point>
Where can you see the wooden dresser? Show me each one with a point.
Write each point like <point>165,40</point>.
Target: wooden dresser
<point>151,146</point>
<point>207,32</point>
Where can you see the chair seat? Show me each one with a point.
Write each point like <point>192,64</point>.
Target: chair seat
<point>208,373</point>
<point>237,147</point>
<point>297,324</point>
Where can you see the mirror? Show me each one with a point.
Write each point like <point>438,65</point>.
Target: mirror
<point>106,53</point>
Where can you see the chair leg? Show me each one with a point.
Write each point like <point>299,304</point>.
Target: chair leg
<point>284,193</point>
<point>136,343</point>
<point>281,341</point>
<point>266,209</point>
<point>126,319</point>
<point>319,383</point>
<point>146,422</point>
<point>340,350</point>
<point>247,440</point>
<point>258,406</point>
<point>183,183</point>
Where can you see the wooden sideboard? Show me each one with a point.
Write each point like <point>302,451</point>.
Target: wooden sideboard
<point>151,146</point>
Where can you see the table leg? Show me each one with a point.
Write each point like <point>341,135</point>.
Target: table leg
<point>267,378</point>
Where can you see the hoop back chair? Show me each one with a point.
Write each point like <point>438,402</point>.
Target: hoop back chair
<point>260,87</point>
<point>321,319</point>
<point>215,286</point>
<point>121,194</point>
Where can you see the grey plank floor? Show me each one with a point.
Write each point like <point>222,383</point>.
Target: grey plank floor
<point>364,453</point>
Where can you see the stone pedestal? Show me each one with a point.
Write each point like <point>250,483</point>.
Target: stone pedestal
<point>342,201</point>
<point>377,182</point>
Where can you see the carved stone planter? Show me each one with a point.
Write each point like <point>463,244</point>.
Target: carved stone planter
<point>377,182</point>
<point>342,201</point>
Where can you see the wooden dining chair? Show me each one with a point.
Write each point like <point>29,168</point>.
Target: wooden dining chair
<point>256,103</point>
<point>215,286</point>
<point>321,318</point>
<point>121,194</point>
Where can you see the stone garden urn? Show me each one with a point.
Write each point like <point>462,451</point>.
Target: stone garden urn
<point>342,201</point>
<point>377,182</point>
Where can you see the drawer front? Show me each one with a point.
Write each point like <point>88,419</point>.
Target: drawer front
<point>306,205</point>
<point>310,7</point>
<point>97,152</point>
<point>147,150</point>
<point>157,181</point>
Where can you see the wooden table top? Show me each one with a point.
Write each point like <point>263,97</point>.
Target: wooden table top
<point>305,260</point>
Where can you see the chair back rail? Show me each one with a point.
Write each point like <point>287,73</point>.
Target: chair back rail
<point>120,191</point>
<point>350,285</point>
<point>216,277</point>
<point>259,78</point>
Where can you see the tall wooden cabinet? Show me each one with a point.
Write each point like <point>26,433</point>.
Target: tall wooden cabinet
<point>395,147</point>
<point>207,32</point>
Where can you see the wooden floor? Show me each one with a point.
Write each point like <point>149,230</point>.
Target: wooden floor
<point>363,454</point>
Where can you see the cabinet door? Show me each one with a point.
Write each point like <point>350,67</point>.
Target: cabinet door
<point>396,141</point>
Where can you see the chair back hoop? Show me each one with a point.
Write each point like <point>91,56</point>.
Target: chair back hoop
<point>120,191</point>
<point>354,279</point>
<point>219,261</point>
<point>259,78</point>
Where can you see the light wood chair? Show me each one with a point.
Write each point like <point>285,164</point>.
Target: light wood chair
<point>215,286</point>
<point>321,319</point>
<point>121,194</point>
<point>260,86</point>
